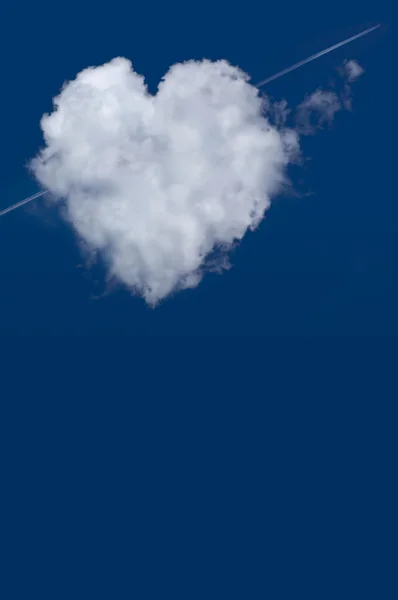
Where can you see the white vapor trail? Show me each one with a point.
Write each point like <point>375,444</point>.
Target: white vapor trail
<point>315,56</point>
<point>25,201</point>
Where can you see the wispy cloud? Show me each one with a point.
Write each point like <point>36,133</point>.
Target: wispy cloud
<point>319,108</point>
<point>352,70</point>
<point>316,110</point>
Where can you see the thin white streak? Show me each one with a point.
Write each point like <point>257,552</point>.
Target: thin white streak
<point>18,204</point>
<point>317,55</point>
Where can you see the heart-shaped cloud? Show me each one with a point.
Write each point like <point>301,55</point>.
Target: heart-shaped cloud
<point>157,183</point>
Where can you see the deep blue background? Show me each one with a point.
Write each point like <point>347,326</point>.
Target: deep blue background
<point>249,451</point>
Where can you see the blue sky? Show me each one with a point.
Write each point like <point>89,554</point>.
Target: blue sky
<point>312,266</point>
<point>250,467</point>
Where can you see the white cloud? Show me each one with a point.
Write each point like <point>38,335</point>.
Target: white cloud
<point>162,186</point>
<point>316,110</point>
<point>156,183</point>
<point>320,107</point>
<point>352,70</point>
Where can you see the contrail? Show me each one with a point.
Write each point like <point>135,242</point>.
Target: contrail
<point>18,204</point>
<point>317,55</point>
